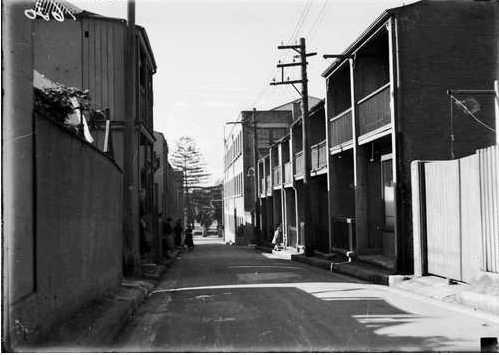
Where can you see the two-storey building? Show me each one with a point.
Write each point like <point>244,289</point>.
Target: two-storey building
<point>281,173</point>
<point>387,105</point>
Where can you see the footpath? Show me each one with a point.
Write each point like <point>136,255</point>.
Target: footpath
<point>482,295</point>
<point>96,325</point>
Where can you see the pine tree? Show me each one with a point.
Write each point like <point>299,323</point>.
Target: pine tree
<point>189,160</point>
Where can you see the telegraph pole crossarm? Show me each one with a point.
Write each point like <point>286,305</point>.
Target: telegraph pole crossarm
<point>284,65</point>
<point>289,82</point>
<point>291,46</point>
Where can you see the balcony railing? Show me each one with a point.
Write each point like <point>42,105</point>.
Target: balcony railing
<point>288,176</point>
<point>319,155</point>
<point>374,110</point>
<point>340,128</point>
<point>299,164</point>
<point>269,187</point>
<point>277,175</point>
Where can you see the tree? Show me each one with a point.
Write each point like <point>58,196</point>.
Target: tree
<point>207,202</point>
<point>189,160</point>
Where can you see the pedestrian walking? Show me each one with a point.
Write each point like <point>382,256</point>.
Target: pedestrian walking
<point>277,240</point>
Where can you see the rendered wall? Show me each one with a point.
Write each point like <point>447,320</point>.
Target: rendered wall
<point>78,232</point>
<point>17,160</point>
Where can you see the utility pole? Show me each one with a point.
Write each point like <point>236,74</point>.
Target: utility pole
<point>255,175</point>
<point>302,54</point>
<point>131,248</point>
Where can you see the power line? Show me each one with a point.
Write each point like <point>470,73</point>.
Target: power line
<point>318,21</point>
<point>299,23</point>
<point>301,20</point>
<point>467,110</point>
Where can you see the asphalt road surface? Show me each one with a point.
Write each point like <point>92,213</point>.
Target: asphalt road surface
<point>226,298</point>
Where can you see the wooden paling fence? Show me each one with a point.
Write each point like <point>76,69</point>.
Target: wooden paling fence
<point>489,193</point>
<point>456,216</point>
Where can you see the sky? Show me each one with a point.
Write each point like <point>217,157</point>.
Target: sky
<point>216,58</point>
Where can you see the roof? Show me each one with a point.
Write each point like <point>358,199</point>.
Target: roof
<point>310,98</point>
<point>282,139</point>
<point>370,29</point>
<point>143,32</point>
<point>315,108</point>
<point>318,106</point>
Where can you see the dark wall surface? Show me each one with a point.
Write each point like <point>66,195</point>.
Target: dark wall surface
<point>441,45</point>
<point>79,228</point>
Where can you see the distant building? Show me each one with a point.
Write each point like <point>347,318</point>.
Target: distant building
<point>168,199</point>
<point>239,193</point>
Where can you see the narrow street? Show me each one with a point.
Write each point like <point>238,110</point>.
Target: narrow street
<point>224,298</point>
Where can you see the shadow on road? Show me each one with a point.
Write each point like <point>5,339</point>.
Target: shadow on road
<point>233,299</point>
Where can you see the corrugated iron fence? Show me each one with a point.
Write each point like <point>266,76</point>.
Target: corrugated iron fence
<point>456,229</point>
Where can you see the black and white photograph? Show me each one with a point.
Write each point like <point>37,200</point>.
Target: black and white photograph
<point>250,176</point>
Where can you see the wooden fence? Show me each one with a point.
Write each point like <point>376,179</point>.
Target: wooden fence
<point>489,187</point>
<point>455,215</point>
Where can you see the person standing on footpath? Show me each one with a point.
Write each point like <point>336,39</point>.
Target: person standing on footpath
<point>277,240</point>
<point>167,233</point>
<point>178,233</point>
<point>188,237</point>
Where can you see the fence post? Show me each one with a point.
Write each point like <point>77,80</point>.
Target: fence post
<point>496,90</point>
<point>419,217</point>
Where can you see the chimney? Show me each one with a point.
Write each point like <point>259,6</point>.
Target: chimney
<point>131,13</point>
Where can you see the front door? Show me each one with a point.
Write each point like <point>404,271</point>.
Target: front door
<point>388,198</point>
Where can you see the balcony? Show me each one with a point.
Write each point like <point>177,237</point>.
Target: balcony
<point>276,175</point>
<point>299,164</point>
<point>340,128</point>
<point>319,155</point>
<point>288,176</point>
<point>374,110</point>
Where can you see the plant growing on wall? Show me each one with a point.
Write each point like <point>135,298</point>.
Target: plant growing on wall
<point>57,102</point>
<point>188,158</point>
